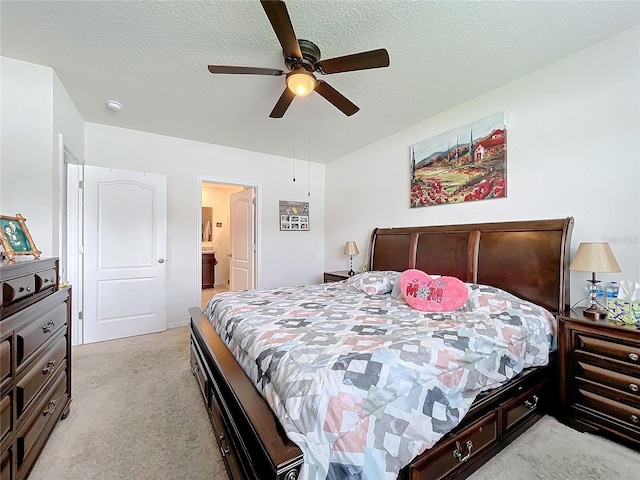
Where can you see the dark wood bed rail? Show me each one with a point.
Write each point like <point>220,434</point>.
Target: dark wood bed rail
<point>527,258</point>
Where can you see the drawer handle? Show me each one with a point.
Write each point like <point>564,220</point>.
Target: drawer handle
<point>225,451</point>
<point>533,403</point>
<point>291,475</point>
<point>49,368</point>
<point>633,387</point>
<point>457,453</point>
<point>633,356</point>
<point>48,326</point>
<point>634,418</point>
<point>195,369</point>
<point>51,409</point>
<point>22,289</point>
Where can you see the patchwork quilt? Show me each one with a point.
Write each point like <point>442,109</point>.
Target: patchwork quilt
<point>362,382</point>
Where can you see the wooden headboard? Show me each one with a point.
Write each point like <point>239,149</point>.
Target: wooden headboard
<point>528,258</point>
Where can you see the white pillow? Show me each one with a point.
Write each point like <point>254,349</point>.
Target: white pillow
<point>375,282</point>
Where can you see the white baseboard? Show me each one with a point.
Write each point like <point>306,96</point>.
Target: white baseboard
<point>182,323</point>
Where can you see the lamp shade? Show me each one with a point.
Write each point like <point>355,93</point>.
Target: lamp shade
<point>595,257</point>
<point>350,248</point>
<point>301,82</point>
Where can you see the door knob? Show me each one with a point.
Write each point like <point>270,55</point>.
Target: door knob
<point>161,260</point>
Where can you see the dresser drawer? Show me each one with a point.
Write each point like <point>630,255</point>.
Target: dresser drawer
<point>39,417</point>
<point>524,406</point>
<point>29,338</point>
<point>5,415</point>
<point>225,443</point>
<point>450,455</point>
<point>198,372</point>
<point>621,412</point>
<point>616,350</point>
<point>42,368</point>
<point>46,279</point>
<point>17,288</point>
<point>610,378</point>
<point>5,360</point>
<point>229,439</point>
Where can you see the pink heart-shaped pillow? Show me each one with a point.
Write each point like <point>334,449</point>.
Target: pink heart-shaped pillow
<point>443,294</point>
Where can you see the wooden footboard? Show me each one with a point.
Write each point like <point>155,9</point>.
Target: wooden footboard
<point>250,438</point>
<point>254,446</point>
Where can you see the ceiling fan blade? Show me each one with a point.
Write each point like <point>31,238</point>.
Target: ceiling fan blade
<point>283,103</point>
<point>245,70</point>
<point>276,10</point>
<point>336,98</point>
<point>357,61</point>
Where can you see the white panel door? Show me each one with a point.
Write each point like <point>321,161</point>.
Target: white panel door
<point>242,261</point>
<point>125,247</point>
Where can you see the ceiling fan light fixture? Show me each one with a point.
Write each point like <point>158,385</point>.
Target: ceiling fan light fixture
<point>301,82</point>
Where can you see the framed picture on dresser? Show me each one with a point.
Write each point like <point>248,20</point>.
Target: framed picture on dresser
<point>15,237</point>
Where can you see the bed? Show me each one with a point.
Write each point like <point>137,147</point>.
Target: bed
<point>526,259</point>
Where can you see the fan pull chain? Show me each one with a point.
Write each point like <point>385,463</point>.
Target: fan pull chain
<point>294,140</point>
<point>309,151</point>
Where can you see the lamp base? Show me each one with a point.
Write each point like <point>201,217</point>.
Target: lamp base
<point>595,313</point>
<point>351,273</point>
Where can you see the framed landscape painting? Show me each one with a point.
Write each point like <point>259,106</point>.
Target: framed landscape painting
<point>466,164</point>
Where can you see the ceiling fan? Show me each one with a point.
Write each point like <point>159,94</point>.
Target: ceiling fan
<point>302,58</point>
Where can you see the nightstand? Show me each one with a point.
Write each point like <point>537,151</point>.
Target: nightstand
<point>600,376</point>
<point>335,276</point>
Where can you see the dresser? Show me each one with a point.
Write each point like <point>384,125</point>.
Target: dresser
<point>35,360</point>
<point>600,376</point>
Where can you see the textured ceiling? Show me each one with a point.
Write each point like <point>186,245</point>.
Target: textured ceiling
<point>152,56</point>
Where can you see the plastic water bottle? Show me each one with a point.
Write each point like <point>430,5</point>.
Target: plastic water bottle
<point>612,292</point>
<point>599,291</point>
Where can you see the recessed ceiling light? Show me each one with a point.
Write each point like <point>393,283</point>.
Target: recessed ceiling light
<point>113,105</point>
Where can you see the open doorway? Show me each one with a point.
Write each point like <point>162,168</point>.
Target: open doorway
<point>227,238</point>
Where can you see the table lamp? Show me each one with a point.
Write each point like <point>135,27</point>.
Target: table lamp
<point>594,257</point>
<point>351,249</point>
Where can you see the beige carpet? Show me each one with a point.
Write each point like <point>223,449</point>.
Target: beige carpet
<point>137,414</point>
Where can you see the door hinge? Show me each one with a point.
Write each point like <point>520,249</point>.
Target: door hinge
<point>81,249</point>
<point>81,184</point>
<point>254,248</point>
<point>81,315</point>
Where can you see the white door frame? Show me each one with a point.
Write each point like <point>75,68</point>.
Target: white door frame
<point>198,237</point>
<point>70,235</point>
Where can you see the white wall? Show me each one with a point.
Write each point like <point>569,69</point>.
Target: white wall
<point>68,133</point>
<point>184,162</point>
<point>67,119</point>
<point>35,109</point>
<point>573,149</point>
<point>26,164</point>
